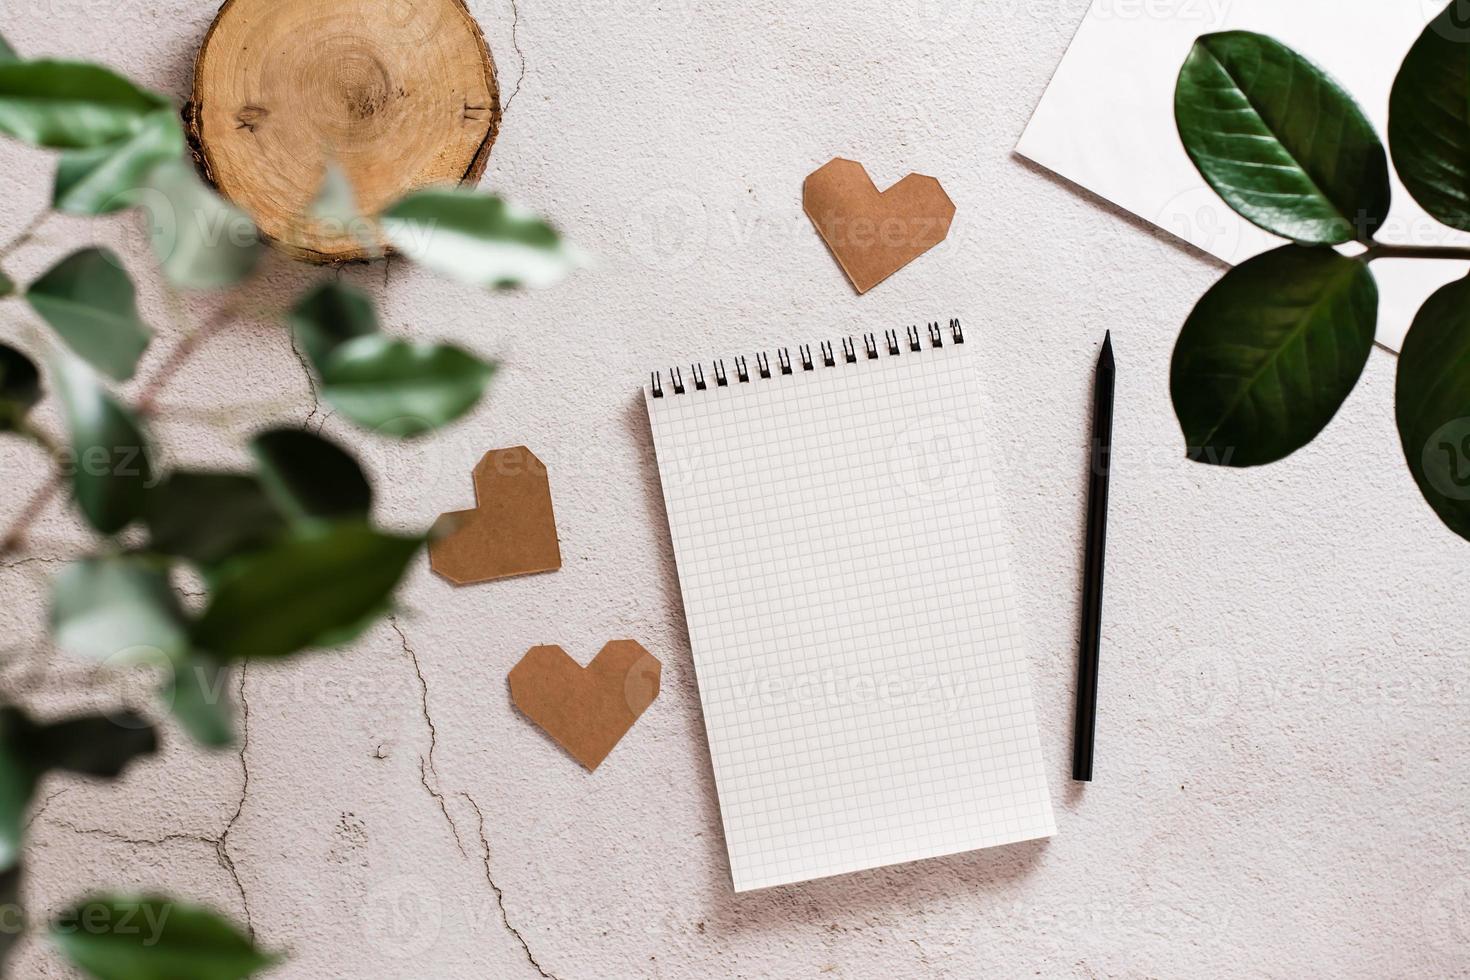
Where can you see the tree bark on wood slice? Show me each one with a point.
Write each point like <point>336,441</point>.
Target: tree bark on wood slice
<point>398,93</point>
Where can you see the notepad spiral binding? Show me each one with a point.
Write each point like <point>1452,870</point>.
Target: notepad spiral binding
<point>804,351</point>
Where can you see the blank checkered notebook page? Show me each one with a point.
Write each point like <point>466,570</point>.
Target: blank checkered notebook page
<point>843,561</point>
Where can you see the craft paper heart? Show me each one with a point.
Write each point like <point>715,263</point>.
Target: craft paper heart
<point>511,531</point>
<point>873,235</point>
<point>587,710</point>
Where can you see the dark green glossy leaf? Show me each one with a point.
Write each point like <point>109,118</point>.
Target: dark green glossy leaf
<point>67,105</point>
<point>154,938</point>
<point>7,53</point>
<point>89,745</point>
<point>402,389</point>
<point>328,316</point>
<point>1429,118</point>
<point>311,478</point>
<point>202,241</point>
<point>1280,141</point>
<point>109,454</point>
<point>476,238</point>
<point>20,388</point>
<point>197,695</point>
<point>119,609</point>
<point>210,517</point>
<point>14,924</point>
<point>313,583</point>
<point>100,746</point>
<point>1432,403</point>
<point>350,633</point>
<point>108,178</point>
<point>1269,354</point>
<point>89,300</point>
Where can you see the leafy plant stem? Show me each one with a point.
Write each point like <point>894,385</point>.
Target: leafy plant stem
<point>26,234</point>
<point>178,357</point>
<point>16,535</point>
<point>1378,250</point>
<point>14,538</point>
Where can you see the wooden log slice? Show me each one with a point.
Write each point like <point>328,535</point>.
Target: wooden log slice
<point>399,93</point>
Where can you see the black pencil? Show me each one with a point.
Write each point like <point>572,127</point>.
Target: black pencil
<point>1099,465</point>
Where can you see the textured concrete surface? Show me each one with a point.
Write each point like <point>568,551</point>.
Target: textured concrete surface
<point>1282,787</point>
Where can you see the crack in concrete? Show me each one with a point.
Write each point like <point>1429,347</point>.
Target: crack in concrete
<point>515,42</point>
<point>443,805</point>
<point>34,559</point>
<point>121,838</point>
<point>222,843</point>
<point>215,844</point>
<point>316,396</point>
<point>924,957</point>
<point>499,893</point>
<point>426,767</point>
<point>426,764</point>
<point>46,803</point>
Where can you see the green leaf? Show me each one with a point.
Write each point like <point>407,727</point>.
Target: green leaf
<point>154,938</point>
<point>89,745</point>
<point>402,389</point>
<point>89,300</point>
<point>350,633</point>
<point>1429,119</point>
<point>209,517</point>
<point>476,238</point>
<point>68,105</point>
<point>202,241</point>
<point>109,454</point>
<point>1280,140</point>
<point>20,388</point>
<point>7,286</point>
<point>311,478</point>
<point>10,907</point>
<point>1432,403</point>
<point>311,584</point>
<point>7,53</point>
<point>328,316</point>
<point>100,746</point>
<point>1269,354</point>
<point>197,696</point>
<point>108,178</point>
<point>119,609</point>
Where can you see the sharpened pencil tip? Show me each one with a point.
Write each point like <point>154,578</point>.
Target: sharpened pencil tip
<point>1105,357</point>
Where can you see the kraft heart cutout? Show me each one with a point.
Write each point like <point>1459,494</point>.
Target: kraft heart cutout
<point>586,710</point>
<point>871,234</point>
<point>511,531</point>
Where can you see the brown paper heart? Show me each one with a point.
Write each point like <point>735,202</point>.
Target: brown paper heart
<point>511,531</point>
<point>586,709</point>
<point>873,235</point>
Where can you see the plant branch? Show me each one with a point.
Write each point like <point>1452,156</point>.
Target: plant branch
<point>16,535</point>
<point>14,538</point>
<point>1378,250</point>
<point>26,234</point>
<point>177,358</point>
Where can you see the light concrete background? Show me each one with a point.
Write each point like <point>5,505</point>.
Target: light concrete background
<point>1282,787</point>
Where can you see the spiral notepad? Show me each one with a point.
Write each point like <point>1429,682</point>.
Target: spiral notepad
<point>843,562</point>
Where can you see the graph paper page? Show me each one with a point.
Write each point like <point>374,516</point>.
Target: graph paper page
<point>843,561</point>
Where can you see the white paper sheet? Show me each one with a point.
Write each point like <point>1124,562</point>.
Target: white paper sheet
<point>1106,121</point>
<point>843,559</point>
